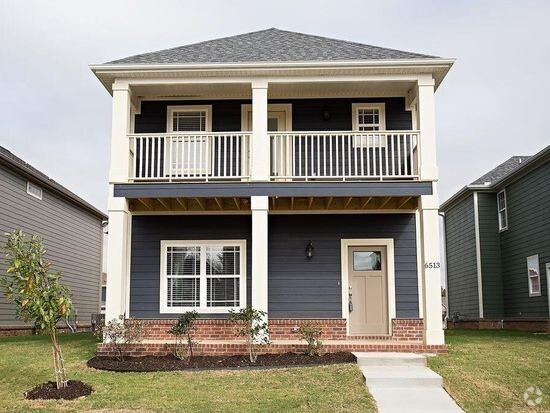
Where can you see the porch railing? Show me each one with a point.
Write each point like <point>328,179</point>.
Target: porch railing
<point>190,156</point>
<point>390,155</point>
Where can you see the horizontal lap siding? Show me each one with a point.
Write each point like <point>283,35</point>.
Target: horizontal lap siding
<point>148,231</point>
<point>297,287</point>
<point>72,238</point>
<point>304,288</point>
<point>528,233</point>
<point>461,259</point>
<point>307,114</point>
<point>490,256</point>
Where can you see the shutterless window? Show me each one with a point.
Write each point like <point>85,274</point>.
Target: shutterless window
<point>190,151</point>
<point>502,211</point>
<point>208,276</point>
<point>369,118</point>
<point>34,190</point>
<point>533,274</point>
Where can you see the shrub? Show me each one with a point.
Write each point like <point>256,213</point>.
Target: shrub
<point>37,293</point>
<point>120,333</point>
<point>311,334</point>
<point>253,327</point>
<point>184,327</point>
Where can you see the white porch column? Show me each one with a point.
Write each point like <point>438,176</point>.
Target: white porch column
<point>426,125</point>
<point>260,154</point>
<point>120,145</point>
<point>431,267</point>
<point>118,259</point>
<point>259,206</point>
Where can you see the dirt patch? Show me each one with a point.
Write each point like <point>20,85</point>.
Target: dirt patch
<point>170,363</point>
<point>49,390</point>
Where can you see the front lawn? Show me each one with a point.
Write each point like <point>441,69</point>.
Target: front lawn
<point>26,362</point>
<point>490,370</point>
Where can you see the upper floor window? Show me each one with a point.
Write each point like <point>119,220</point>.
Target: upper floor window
<point>208,276</point>
<point>369,117</point>
<point>533,274</point>
<point>502,210</point>
<point>34,190</point>
<point>190,153</point>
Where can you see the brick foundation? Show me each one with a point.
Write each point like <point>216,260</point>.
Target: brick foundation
<point>236,348</point>
<point>530,325</point>
<point>29,331</point>
<point>408,329</point>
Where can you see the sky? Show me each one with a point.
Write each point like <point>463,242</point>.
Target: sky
<point>56,115</point>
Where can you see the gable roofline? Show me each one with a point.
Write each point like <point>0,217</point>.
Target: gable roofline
<point>19,166</point>
<point>533,162</point>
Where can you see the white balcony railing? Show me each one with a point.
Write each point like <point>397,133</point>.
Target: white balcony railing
<point>189,156</point>
<point>390,155</point>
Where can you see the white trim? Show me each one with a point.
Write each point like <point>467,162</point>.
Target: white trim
<point>246,108</point>
<point>188,108</point>
<point>29,185</point>
<point>366,242</point>
<point>287,212</point>
<point>164,309</point>
<point>539,292</point>
<point>419,246</point>
<point>478,257</point>
<point>548,285</point>
<point>501,227</point>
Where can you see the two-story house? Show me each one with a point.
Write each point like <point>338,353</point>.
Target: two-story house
<point>293,173</point>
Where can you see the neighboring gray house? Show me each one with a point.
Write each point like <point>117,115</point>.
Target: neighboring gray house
<point>71,228</point>
<point>497,232</point>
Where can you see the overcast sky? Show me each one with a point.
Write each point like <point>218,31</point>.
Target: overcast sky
<point>56,115</point>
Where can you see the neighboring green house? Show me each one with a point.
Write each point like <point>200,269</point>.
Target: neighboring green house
<point>497,235</point>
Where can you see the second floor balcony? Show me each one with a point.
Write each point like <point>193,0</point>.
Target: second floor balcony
<point>293,156</point>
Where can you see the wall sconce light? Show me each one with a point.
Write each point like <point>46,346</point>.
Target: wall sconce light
<point>309,250</point>
<point>325,114</point>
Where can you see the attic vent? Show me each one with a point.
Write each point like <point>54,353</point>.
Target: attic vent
<point>34,190</point>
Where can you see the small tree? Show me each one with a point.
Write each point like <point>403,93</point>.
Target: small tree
<point>311,334</point>
<point>184,327</point>
<point>120,333</point>
<point>37,293</point>
<point>253,327</point>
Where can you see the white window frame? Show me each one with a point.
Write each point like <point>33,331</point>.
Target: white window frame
<point>170,110</point>
<point>531,259</point>
<point>504,210</point>
<point>361,141</point>
<point>29,185</point>
<point>202,308</point>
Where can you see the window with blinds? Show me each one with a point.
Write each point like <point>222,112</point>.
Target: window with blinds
<point>190,152</point>
<point>369,118</point>
<point>208,276</point>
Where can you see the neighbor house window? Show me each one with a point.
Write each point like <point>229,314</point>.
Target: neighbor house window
<point>207,276</point>
<point>369,117</point>
<point>502,211</point>
<point>34,190</point>
<point>191,148</point>
<point>533,274</point>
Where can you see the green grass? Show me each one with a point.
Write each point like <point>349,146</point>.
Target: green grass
<point>26,362</point>
<point>489,371</point>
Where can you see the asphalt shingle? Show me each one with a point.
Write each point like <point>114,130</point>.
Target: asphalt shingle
<point>501,171</point>
<point>270,45</point>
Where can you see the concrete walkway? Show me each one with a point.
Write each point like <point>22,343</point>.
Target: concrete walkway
<point>401,382</point>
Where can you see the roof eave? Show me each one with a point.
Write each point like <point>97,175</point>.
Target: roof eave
<point>106,68</point>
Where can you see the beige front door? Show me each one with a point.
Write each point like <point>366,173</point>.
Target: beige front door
<point>368,290</point>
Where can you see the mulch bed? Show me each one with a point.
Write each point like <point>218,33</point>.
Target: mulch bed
<point>49,390</point>
<point>171,363</point>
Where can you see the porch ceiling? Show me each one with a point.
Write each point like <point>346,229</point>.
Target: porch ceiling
<point>241,204</point>
<point>276,90</point>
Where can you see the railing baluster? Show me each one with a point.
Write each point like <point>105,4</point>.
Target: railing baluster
<point>312,155</point>
<point>392,154</point>
<point>337,145</point>
<point>349,154</point>
<point>361,153</point>
<point>386,172</point>
<point>300,155</point>
<point>318,139</point>
<point>380,156</point>
<point>354,145</point>
<point>399,146</point>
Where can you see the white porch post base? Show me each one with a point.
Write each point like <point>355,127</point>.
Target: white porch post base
<point>259,206</point>
<point>117,259</point>
<point>431,269</point>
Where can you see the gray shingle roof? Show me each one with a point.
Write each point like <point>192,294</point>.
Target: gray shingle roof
<point>270,45</point>
<point>501,171</point>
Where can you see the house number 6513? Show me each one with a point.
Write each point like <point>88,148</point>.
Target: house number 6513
<point>436,264</point>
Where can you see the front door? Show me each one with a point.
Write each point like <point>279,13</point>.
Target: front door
<point>368,290</point>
